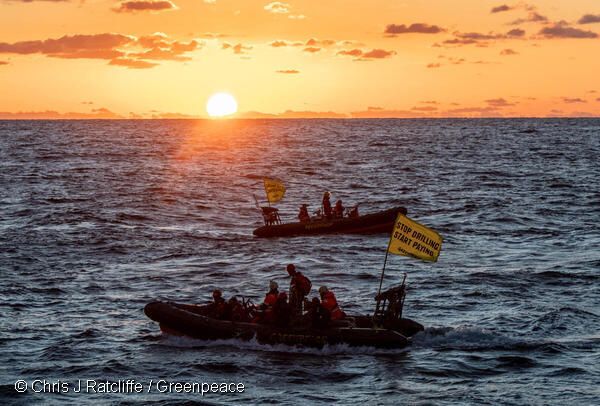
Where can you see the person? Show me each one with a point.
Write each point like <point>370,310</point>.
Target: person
<point>338,210</point>
<point>326,205</point>
<point>317,315</point>
<point>237,312</point>
<point>303,216</point>
<point>329,302</point>
<point>218,307</point>
<point>268,304</point>
<point>300,287</point>
<point>281,310</point>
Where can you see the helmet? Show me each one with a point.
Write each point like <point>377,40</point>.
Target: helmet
<point>291,269</point>
<point>217,293</point>
<point>323,289</point>
<point>326,194</point>
<point>273,285</point>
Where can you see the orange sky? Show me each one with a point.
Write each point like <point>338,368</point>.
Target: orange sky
<point>298,58</point>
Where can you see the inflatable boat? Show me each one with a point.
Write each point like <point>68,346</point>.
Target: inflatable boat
<point>389,331</point>
<point>379,222</point>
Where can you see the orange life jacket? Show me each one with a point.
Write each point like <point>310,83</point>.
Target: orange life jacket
<point>329,302</point>
<point>271,299</point>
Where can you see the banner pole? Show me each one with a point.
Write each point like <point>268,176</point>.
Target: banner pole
<point>383,271</point>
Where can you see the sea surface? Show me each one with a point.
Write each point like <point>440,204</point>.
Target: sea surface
<point>98,218</point>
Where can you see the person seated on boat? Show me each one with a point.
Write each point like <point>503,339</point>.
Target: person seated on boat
<point>300,287</point>
<point>329,302</point>
<point>218,308</point>
<point>316,314</point>
<point>303,215</point>
<point>353,212</point>
<point>281,310</point>
<point>268,304</point>
<point>327,205</point>
<point>338,210</point>
<point>236,310</point>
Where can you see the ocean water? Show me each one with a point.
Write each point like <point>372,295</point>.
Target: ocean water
<point>97,218</point>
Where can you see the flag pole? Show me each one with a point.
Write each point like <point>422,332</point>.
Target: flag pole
<point>387,251</point>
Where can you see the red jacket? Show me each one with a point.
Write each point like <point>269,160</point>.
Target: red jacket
<point>271,298</point>
<point>329,302</point>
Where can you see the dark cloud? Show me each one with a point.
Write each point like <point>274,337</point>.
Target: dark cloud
<point>97,46</point>
<point>574,100</point>
<point>501,8</point>
<point>121,50</point>
<point>366,55</point>
<point>145,5</point>
<point>434,65</point>
<point>101,113</point>
<point>508,51</point>
<point>288,71</point>
<point>498,103</point>
<point>533,17</point>
<point>313,42</point>
<point>516,32</point>
<point>418,28</point>
<point>279,43</point>
<point>378,54</point>
<point>31,1</point>
<point>562,30</point>
<point>589,19</point>
<point>598,99</point>
<point>3,63</point>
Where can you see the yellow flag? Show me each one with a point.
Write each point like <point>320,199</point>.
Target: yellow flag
<point>412,239</point>
<point>274,189</point>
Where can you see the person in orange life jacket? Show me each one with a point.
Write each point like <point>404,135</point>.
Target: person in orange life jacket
<point>329,302</point>
<point>326,205</point>
<point>218,306</point>
<point>338,210</point>
<point>299,288</point>
<point>281,310</point>
<point>303,216</point>
<point>269,303</point>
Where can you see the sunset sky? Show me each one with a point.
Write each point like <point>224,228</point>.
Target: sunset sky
<point>299,58</point>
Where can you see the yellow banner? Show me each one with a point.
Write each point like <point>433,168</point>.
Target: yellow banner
<point>274,189</point>
<point>412,239</point>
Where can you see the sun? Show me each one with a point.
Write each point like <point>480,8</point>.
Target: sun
<point>221,105</point>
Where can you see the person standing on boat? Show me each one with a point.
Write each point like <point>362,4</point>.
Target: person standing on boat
<point>303,216</point>
<point>329,302</point>
<point>300,287</point>
<point>338,210</point>
<point>326,205</point>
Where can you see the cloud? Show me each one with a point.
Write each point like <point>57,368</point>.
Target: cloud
<point>312,42</point>
<point>297,17</point>
<point>434,65</point>
<point>501,8</point>
<point>351,52</point>
<point>288,71</point>
<point>278,43</point>
<point>378,54</point>
<point>418,28</point>
<point>366,55</point>
<point>569,100</point>
<point>562,30</point>
<point>508,51</point>
<point>424,108</point>
<point>278,7</point>
<point>132,63</point>
<point>237,49</point>
<point>101,113</point>
<point>3,63</point>
<point>145,5</point>
<point>312,50</point>
<point>589,19</point>
<point>498,103</point>
<point>598,99</point>
<point>533,17</point>
<point>31,1</point>
<point>292,114</point>
<point>516,32</point>
<point>121,50</point>
<point>96,46</point>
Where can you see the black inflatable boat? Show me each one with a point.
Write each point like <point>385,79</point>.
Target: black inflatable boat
<point>379,222</point>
